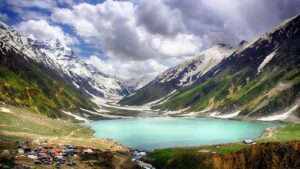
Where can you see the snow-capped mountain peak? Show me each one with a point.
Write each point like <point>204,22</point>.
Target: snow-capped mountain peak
<point>59,57</point>
<point>11,40</point>
<point>84,75</point>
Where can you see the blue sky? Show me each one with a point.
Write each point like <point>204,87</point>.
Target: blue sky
<point>130,38</point>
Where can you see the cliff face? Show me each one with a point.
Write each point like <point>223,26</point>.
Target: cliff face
<point>267,156</point>
<point>272,155</point>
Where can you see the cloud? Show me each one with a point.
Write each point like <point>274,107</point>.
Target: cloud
<point>166,31</point>
<point>240,18</point>
<point>127,69</point>
<point>100,64</point>
<point>135,37</point>
<point>3,17</point>
<point>43,4</point>
<point>66,2</point>
<point>114,27</point>
<point>159,18</point>
<point>230,21</point>
<point>33,15</point>
<point>41,30</point>
<point>35,9</point>
<point>182,44</point>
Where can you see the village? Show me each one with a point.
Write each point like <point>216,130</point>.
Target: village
<point>55,156</point>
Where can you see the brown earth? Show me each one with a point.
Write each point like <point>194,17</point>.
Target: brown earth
<point>271,155</point>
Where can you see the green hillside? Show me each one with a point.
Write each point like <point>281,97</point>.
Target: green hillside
<point>148,94</point>
<point>27,84</point>
<point>239,85</point>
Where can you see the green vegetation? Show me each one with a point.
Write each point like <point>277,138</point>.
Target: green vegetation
<point>22,124</point>
<point>162,156</point>
<point>26,84</point>
<point>147,94</point>
<point>121,112</point>
<point>212,92</point>
<point>261,95</point>
<point>189,160</point>
<point>283,134</point>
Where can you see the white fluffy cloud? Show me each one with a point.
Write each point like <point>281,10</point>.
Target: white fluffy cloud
<point>133,45</point>
<point>139,37</point>
<point>127,69</point>
<point>41,30</point>
<point>114,26</point>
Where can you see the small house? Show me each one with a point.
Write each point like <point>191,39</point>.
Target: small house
<point>249,141</point>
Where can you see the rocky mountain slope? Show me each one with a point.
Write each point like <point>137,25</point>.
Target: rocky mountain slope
<point>24,59</point>
<point>61,58</point>
<point>31,79</point>
<point>182,75</point>
<point>84,76</point>
<point>260,79</point>
<point>134,84</point>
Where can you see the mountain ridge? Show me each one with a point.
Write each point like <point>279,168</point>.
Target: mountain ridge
<point>57,56</point>
<point>260,79</point>
<point>183,74</point>
<point>241,86</point>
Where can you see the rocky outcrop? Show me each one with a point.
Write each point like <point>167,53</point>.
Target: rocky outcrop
<point>268,156</point>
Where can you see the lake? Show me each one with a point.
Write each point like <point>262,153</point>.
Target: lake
<point>160,132</point>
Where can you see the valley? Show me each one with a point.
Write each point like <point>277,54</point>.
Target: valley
<point>226,106</point>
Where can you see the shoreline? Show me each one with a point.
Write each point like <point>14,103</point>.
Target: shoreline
<point>269,132</point>
<point>239,118</point>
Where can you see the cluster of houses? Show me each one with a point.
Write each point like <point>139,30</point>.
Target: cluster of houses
<point>46,154</point>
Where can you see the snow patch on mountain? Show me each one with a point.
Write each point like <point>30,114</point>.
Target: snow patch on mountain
<point>84,75</point>
<point>11,40</point>
<point>134,84</point>
<point>224,116</point>
<point>282,116</point>
<point>186,73</point>
<point>76,116</point>
<point>59,57</point>
<point>266,61</point>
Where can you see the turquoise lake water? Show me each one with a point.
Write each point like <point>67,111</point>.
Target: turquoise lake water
<point>160,132</point>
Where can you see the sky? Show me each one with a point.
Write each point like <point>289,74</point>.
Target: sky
<point>132,38</point>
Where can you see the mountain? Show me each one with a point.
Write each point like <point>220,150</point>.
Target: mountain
<point>59,57</point>
<point>182,75</point>
<point>84,76</point>
<point>133,84</point>
<point>31,79</point>
<point>43,61</point>
<point>260,81</point>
